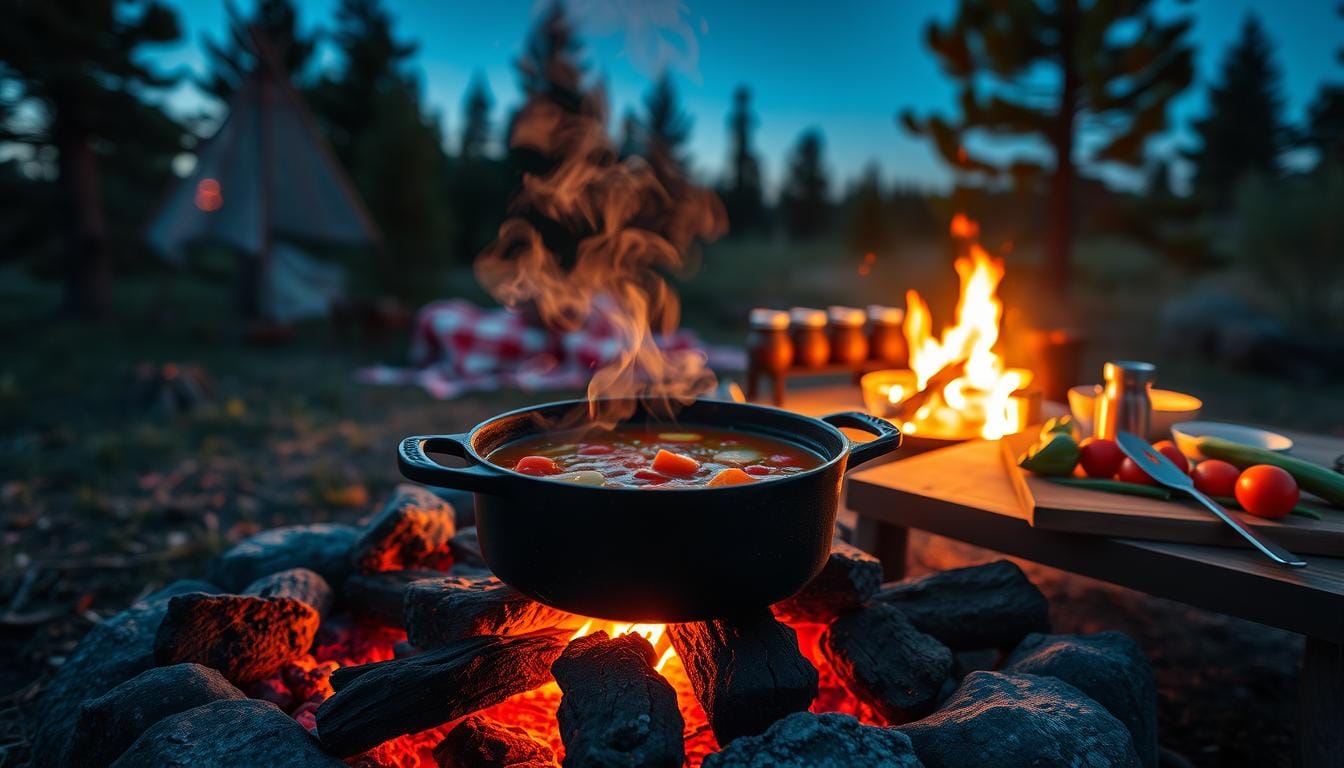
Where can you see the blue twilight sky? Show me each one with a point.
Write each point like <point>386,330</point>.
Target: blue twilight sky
<point>846,66</point>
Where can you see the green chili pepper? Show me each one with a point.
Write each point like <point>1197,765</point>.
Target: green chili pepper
<point>1056,456</point>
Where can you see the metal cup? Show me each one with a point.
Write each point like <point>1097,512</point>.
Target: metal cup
<point>1125,402</point>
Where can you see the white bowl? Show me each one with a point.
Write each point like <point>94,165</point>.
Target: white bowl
<point>1188,433</point>
<point>1169,409</point>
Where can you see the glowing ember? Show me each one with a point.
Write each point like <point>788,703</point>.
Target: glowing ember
<point>978,399</point>
<point>301,687</point>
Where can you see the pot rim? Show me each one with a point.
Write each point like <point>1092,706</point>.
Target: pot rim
<point>841,455</point>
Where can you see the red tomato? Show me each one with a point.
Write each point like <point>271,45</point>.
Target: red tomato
<point>596,449</point>
<point>1131,473</point>
<point>1267,491</point>
<point>650,475</point>
<point>1216,478</point>
<point>1173,454</point>
<point>757,469</point>
<point>1100,457</point>
<point>537,465</point>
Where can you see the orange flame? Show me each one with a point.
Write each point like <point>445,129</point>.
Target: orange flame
<point>980,399</point>
<point>612,230</point>
<point>652,632</point>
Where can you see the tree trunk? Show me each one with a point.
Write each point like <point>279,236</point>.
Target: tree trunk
<point>1059,239</point>
<point>88,263</point>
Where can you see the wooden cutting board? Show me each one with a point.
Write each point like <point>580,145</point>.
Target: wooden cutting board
<point>1062,508</point>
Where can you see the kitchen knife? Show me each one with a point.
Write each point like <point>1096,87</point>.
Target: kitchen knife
<point>1160,468</point>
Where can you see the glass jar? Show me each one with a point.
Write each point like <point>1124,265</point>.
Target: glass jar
<point>886,336</point>
<point>848,344</point>
<point>811,348</point>
<point>768,344</point>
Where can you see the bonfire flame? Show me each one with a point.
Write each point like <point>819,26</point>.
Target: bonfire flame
<point>979,397</point>
<point>591,233</point>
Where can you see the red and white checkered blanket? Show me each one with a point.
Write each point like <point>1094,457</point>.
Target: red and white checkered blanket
<point>458,347</point>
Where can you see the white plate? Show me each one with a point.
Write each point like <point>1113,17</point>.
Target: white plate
<point>1186,433</point>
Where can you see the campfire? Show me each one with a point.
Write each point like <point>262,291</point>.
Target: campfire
<point>957,385</point>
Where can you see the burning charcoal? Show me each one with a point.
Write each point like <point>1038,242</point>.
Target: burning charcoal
<point>467,550</point>
<point>451,608</point>
<point>805,740</point>
<point>1107,666</point>
<point>381,597</point>
<point>299,583</point>
<point>114,651</point>
<point>321,547</point>
<point>227,734</point>
<point>616,710</point>
<point>849,577</point>
<point>480,743</point>
<point>110,723</point>
<point>984,606</point>
<point>377,702</point>
<point>999,719</point>
<point>746,672</point>
<point>247,638</point>
<point>411,532</point>
<point>887,662</point>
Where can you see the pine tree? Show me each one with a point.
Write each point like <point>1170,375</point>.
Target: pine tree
<point>78,63</point>
<point>1325,116</point>
<point>1049,70</point>
<point>475,121</point>
<point>869,231</point>
<point>742,196</point>
<point>393,148</point>
<point>233,58</point>
<point>804,200</point>
<point>632,135</point>
<point>1244,131</point>
<point>551,66</point>
<point>373,63</point>
<point>666,130</point>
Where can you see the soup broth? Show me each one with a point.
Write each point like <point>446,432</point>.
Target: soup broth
<point>640,456</point>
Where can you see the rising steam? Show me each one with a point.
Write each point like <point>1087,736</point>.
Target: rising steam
<point>591,233</point>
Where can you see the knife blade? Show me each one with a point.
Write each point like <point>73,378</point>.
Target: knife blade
<point>1161,470</point>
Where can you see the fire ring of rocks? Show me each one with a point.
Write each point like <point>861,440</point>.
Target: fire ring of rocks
<point>392,645</point>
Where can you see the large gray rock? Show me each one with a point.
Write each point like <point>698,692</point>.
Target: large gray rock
<point>246,733</point>
<point>807,740</point>
<point>412,531</point>
<point>112,722</point>
<point>1107,666</point>
<point>888,663</point>
<point>113,652</point>
<point>321,547</point>
<point>306,586</point>
<point>993,605</point>
<point>996,719</point>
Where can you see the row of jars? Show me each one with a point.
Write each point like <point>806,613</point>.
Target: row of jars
<point>804,337</point>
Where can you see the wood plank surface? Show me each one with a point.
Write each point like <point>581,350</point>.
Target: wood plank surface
<point>965,493</point>
<point>1056,507</point>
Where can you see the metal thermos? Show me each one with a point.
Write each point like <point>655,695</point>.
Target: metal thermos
<point>1125,402</point>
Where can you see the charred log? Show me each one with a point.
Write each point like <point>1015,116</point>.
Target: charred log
<point>984,606</point>
<point>381,597</point>
<point>888,663</point>
<point>849,577</point>
<point>452,608</point>
<point>616,709</point>
<point>244,637</point>
<point>480,743</point>
<point>377,702</point>
<point>747,672</point>
<point>467,549</point>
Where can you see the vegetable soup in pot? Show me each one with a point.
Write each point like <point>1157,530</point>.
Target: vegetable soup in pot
<point>638,456</point>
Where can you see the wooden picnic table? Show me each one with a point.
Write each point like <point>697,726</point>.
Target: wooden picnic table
<point>964,492</point>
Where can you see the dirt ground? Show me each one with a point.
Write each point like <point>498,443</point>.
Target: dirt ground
<point>103,498</point>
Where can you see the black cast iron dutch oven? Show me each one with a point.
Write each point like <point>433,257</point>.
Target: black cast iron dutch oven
<point>673,555</point>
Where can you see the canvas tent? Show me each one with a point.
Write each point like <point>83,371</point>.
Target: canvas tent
<point>265,185</point>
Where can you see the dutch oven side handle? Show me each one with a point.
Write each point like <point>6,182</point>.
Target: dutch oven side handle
<point>415,464</point>
<point>888,437</point>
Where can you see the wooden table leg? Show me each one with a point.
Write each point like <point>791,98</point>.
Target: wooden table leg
<point>1320,720</point>
<point>886,542</point>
